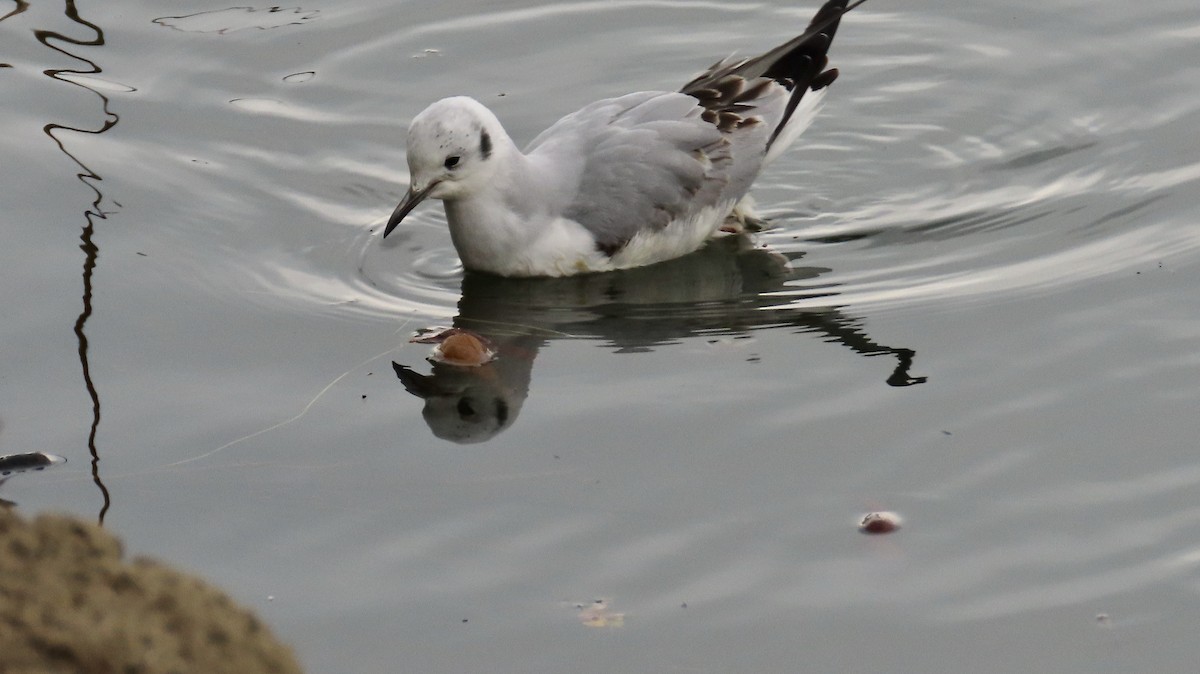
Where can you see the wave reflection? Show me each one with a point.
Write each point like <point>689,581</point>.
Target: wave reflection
<point>85,79</point>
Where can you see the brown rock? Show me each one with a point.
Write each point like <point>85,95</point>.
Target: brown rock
<point>70,603</point>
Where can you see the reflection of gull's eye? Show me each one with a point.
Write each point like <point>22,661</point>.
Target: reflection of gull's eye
<point>464,408</point>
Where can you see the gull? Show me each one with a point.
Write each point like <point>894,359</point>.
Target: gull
<point>622,182</point>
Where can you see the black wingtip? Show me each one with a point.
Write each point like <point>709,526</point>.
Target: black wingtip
<point>798,65</point>
<point>806,56</point>
<point>803,65</point>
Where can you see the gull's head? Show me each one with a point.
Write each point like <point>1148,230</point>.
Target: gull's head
<point>452,148</point>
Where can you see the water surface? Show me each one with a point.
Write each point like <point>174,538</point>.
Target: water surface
<point>975,307</point>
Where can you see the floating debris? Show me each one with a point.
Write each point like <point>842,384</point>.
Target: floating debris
<point>456,346</point>
<point>12,464</point>
<point>882,522</point>
<point>596,614</point>
<point>304,76</point>
<point>225,21</point>
<point>430,335</point>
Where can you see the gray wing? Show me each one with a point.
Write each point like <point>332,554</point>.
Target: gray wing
<point>646,159</point>
<point>643,160</point>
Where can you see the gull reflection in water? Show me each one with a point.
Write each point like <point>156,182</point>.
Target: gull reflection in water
<point>729,288</point>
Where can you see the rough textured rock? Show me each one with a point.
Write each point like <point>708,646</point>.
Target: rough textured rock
<point>70,604</point>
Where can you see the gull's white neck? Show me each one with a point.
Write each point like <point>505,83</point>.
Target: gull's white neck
<point>497,227</point>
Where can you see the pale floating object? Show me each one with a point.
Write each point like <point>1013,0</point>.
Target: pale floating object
<point>12,464</point>
<point>882,522</point>
<point>596,614</point>
<point>96,83</point>
<point>275,108</point>
<point>457,346</point>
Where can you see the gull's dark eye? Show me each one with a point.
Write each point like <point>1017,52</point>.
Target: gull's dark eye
<point>451,161</point>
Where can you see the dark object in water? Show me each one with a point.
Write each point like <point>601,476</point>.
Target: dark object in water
<point>879,523</point>
<point>12,464</point>
<point>457,346</point>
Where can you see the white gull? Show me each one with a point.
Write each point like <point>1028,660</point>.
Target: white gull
<point>623,182</point>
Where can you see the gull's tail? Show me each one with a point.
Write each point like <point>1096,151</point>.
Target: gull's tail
<point>798,65</point>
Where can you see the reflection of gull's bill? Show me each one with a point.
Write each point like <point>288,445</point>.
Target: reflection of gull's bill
<point>12,464</point>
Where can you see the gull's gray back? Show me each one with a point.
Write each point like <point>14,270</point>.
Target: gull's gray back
<point>648,159</point>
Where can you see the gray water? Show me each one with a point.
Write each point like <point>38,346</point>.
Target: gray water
<point>976,307</point>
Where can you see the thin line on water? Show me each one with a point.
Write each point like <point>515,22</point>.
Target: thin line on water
<point>285,422</point>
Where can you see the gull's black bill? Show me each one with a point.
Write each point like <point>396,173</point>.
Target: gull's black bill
<point>410,202</point>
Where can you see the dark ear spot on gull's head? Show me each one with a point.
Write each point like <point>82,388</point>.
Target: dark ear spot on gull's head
<point>485,145</point>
